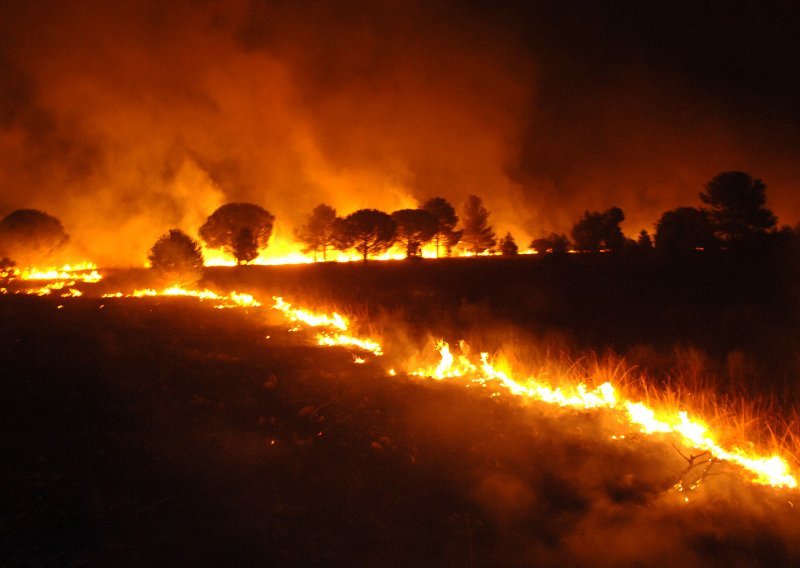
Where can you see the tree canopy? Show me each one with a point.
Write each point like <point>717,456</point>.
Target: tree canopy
<point>478,235</point>
<point>595,231</point>
<point>415,228</point>
<point>240,229</point>
<point>736,206</point>
<point>28,236</point>
<point>446,220</point>
<point>177,256</point>
<point>685,229</point>
<point>318,232</point>
<point>552,243</point>
<point>368,231</point>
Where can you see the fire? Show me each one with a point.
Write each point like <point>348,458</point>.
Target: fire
<point>771,470</point>
<point>349,341</point>
<point>333,321</point>
<point>448,365</point>
<point>83,272</point>
<point>234,299</point>
<point>311,319</point>
<point>60,279</point>
<point>766,470</point>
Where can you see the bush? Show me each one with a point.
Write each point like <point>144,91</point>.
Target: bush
<point>178,257</point>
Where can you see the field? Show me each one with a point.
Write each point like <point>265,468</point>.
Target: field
<point>158,430</point>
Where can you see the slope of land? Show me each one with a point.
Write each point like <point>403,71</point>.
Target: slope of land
<point>160,430</point>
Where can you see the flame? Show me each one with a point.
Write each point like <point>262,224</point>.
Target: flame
<point>334,321</point>
<point>765,470</point>
<point>772,470</point>
<point>234,299</point>
<point>349,341</point>
<point>54,279</point>
<point>311,319</point>
<point>83,272</point>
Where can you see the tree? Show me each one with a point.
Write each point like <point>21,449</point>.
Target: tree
<point>595,231</point>
<point>368,231</point>
<point>478,235</point>
<point>29,236</point>
<point>552,243</point>
<point>177,256</point>
<point>240,229</point>
<point>736,207</point>
<point>415,228</point>
<point>319,231</point>
<point>446,236</point>
<point>508,246</point>
<point>644,242</point>
<point>685,229</point>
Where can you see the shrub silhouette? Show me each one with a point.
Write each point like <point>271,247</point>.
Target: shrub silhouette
<point>29,236</point>
<point>177,256</point>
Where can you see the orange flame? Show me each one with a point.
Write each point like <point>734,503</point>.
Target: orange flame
<point>771,470</point>
<point>766,470</point>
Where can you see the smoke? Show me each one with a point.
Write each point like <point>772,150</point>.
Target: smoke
<point>129,119</point>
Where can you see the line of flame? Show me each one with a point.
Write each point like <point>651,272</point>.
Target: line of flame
<point>772,470</point>
<point>766,470</point>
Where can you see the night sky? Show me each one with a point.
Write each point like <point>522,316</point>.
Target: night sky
<point>129,118</point>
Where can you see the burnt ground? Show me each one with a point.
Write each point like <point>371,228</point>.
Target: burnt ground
<point>163,431</point>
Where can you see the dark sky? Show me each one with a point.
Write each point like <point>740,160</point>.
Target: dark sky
<point>127,119</point>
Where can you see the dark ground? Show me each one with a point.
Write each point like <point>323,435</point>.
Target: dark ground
<point>741,312</point>
<point>164,432</point>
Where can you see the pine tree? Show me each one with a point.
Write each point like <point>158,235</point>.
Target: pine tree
<point>478,235</point>
<point>508,246</point>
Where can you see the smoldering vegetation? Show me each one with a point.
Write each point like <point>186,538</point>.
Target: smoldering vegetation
<point>145,431</point>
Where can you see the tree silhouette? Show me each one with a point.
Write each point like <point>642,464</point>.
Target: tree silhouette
<point>645,241</point>
<point>368,231</point>
<point>736,206</point>
<point>595,231</point>
<point>245,245</point>
<point>415,228</point>
<point>685,229</point>
<point>553,243</point>
<point>446,236</point>
<point>177,256</point>
<point>508,246</point>
<point>240,229</point>
<point>478,235</point>
<point>319,231</point>
<point>29,236</point>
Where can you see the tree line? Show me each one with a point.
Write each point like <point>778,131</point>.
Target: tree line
<point>733,214</point>
<point>242,229</point>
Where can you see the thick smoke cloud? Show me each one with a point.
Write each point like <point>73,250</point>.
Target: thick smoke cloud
<point>127,119</point>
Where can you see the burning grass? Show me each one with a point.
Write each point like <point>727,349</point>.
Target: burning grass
<point>511,444</point>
